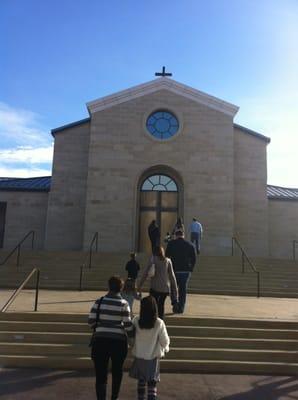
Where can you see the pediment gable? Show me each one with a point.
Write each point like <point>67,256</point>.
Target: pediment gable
<point>156,85</point>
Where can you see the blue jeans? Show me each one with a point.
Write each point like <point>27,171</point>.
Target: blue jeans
<point>130,299</point>
<point>195,240</point>
<point>182,279</point>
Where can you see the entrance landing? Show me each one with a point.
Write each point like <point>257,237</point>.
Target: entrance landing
<point>208,306</point>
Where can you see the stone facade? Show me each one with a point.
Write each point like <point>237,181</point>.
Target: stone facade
<point>65,219</point>
<point>99,164</point>
<point>25,211</point>
<point>283,228</point>
<point>121,150</point>
<point>250,194</point>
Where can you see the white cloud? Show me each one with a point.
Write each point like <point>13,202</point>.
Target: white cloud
<point>21,127</point>
<point>30,155</point>
<point>27,172</point>
<point>27,149</point>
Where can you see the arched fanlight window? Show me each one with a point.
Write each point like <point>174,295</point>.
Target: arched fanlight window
<point>159,183</point>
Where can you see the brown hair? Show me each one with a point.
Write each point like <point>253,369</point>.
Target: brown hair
<point>159,252</point>
<point>148,313</point>
<point>115,284</point>
<point>129,286</point>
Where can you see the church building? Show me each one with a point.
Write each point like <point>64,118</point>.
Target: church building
<point>158,150</point>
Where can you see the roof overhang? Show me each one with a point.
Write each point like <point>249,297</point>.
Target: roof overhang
<point>282,193</point>
<point>156,85</point>
<point>253,133</point>
<point>71,125</point>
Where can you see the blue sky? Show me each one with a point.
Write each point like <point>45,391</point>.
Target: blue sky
<point>57,55</point>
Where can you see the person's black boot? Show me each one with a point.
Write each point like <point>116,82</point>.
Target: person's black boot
<point>176,308</point>
<point>116,383</point>
<point>101,392</point>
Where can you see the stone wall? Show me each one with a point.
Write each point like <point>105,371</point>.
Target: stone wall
<point>121,150</point>
<point>25,211</point>
<point>283,227</point>
<point>65,220</point>
<point>250,201</point>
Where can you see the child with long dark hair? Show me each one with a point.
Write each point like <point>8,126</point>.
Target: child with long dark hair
<point>151,343</point>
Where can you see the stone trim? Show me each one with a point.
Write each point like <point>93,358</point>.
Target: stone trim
<point>161,84</point>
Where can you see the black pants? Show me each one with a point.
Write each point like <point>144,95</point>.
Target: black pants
<point>155,242</point>
<point>103,350</point>
<point>160,300</point>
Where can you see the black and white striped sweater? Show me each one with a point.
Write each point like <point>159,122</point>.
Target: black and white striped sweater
<point>114,317</point>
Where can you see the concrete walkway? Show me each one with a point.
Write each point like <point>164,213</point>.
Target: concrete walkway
<point>33,384</point>
<point>197,305</point>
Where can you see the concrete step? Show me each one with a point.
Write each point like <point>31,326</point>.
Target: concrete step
<point>82,350</point>
<point>55,340</point>
<point>212,275</point>
<point>175,330</point>
<point>176,341</point>
<point>81,318</point>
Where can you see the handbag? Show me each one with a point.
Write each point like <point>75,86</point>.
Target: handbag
<point>92,340</point>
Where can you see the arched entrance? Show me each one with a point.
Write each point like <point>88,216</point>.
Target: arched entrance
<point>159,199</point>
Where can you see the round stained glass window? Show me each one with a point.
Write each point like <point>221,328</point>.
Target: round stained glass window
<point>162,124</point>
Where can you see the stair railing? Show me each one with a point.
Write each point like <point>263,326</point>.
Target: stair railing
<point>88,260</point>
<point>244,257</point>
<point>94,240</point>
<point>17,248</point>
<point>295,244</point>
<point>21,287</point>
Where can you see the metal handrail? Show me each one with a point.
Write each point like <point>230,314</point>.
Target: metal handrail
<point>88,258</point>
<point>20,288</point>
<point>295,243</point>
<point>94,239</point>
<point>244,257</point>
<point>81,277</point>
<point>18,248</point>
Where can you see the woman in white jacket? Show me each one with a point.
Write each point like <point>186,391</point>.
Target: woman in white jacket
<point>151,343</point>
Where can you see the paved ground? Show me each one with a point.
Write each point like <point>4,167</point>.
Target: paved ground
<point>33,384</point>
<point>197,305</point>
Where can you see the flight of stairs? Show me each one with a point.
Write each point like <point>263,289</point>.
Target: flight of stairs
<point>197,344</point>
<point>212,275</point>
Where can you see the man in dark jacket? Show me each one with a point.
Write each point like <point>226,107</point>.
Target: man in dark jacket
<point>154,235</point>
<point>183,256</point>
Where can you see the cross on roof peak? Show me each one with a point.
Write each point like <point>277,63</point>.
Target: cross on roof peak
<point>163,73</point>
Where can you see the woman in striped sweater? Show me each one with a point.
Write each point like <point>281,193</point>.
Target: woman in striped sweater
<point>110,319</point>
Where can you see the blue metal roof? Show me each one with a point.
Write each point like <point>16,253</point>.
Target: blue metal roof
<point>40,184</point>
<point>71,125</point>
<point>281,193</point>
<point>253,133</point>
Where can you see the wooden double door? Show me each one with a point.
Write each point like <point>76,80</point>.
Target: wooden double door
<point>161,206</point>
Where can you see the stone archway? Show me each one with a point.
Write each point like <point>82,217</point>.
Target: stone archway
<point>160,194</point>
